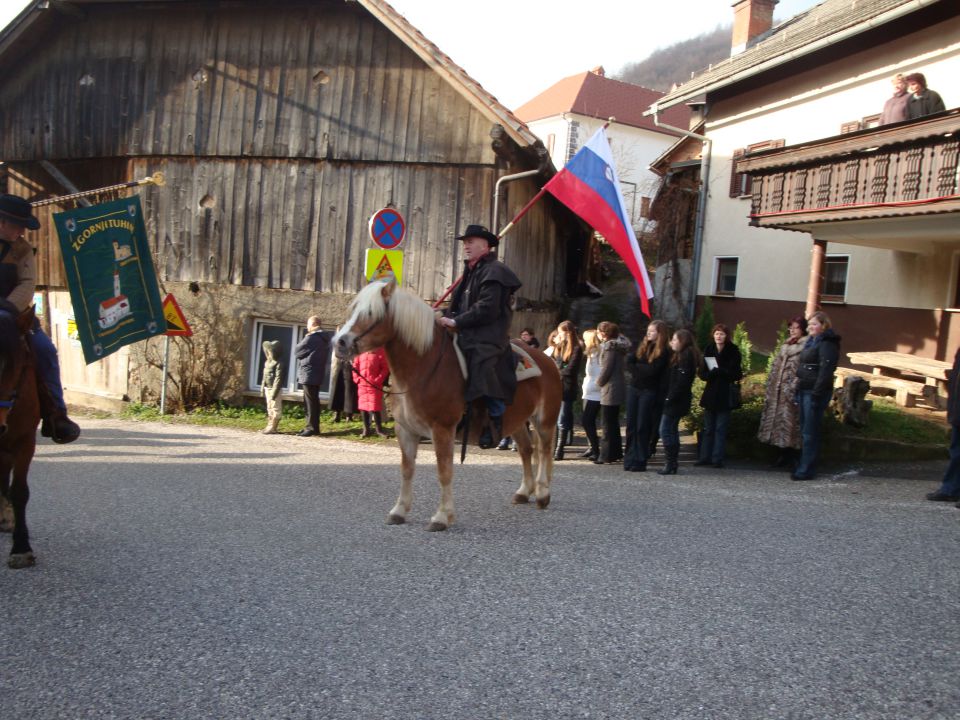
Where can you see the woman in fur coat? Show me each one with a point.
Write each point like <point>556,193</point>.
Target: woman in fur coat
<point>780,421</point>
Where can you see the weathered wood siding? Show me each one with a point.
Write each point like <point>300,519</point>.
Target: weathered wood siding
<point>281,128</point>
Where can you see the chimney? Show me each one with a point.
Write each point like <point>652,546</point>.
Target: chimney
<point>751,18</point>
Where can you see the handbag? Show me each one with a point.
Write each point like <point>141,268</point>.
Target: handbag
<point>736,398</point>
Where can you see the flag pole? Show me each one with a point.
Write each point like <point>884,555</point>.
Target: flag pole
<point>509,226</point>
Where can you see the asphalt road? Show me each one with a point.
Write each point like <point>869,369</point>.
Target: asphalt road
<point>206,573</point>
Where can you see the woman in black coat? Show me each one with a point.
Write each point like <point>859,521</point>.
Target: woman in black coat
<point>648,371</point>
<point>818,361</point>
<point>720,373</point>
<point>568,355</point>
<point>680,374</point>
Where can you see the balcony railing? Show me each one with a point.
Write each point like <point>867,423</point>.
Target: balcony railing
<point>909,168</point>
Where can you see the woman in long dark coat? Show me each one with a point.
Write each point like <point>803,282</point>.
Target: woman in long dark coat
<point>721,373</point>
<point>818,361</point>
<point>612,382</point>
<point>568,355</point>
<point>679,397</point>
<point>648,371</point>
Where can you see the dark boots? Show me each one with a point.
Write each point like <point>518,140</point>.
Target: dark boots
<point>561,442</point>
<point>378,423</point>
<point>672,453</point>
<point>491,433</point>
<point>56,425</point>
<point>366,424</point>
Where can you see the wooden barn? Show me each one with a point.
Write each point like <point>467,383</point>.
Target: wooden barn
<point>280,128</point>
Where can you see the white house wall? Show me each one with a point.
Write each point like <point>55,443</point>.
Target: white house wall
<point>774,264</point>
<point>633,150</point>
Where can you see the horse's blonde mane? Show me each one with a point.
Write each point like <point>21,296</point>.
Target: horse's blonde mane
<point>412,318</point>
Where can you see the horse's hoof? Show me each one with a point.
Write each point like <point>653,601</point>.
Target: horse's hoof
<point>436,526</point>
<point>21,560</point>
<point>520,499</point>
<point>395,519</point>
<point>543,502</point>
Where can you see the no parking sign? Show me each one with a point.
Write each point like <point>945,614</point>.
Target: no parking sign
<point>387,229</point>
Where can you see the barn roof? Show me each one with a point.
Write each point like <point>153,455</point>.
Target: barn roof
<point>25,30</point>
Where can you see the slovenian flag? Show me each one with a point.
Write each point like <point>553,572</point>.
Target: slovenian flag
<point>589,186</point>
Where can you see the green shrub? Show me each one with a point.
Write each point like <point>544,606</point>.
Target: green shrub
<point>742,340</point>
<point>703,325</point>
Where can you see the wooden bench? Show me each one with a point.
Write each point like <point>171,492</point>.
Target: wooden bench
<point>905,392</point>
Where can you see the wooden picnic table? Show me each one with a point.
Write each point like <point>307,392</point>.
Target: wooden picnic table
<point>889,364</point>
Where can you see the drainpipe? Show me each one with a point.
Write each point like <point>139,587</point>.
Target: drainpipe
<point>701,203</point>
<point>496,193</point>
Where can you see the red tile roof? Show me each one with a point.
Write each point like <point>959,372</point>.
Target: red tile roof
<point>594,95</point>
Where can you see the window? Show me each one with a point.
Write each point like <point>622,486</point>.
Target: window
<point>849,127</point>
<point>726,276</point>
<point>870,121</point>
<point>288,334</point>
<point>645,207</point>
<point>740,185</point>
<point>835,269</point>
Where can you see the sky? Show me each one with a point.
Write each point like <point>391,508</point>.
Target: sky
<point>517,49</point>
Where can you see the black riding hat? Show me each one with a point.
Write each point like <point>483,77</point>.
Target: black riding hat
<point>19,211</point>
<point>481,232</point>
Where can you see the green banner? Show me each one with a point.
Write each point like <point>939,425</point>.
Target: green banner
<point>110,273</point>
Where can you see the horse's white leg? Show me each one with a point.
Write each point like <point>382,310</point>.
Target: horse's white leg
<point>409,443</point>
<point>525,449</point>
<point>545,465</point>
<point>443,447</point>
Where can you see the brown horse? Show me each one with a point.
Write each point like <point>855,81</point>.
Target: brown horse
<point>19,416</point>
<point>427,389</point>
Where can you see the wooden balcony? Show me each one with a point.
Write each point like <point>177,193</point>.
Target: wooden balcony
<point>875,179</point>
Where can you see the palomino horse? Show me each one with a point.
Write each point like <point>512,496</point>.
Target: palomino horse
<point>19,416</point>
<point>427,389</point>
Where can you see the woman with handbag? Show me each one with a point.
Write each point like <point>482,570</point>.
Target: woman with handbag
<point>818,361</point>
<point>721,369</point>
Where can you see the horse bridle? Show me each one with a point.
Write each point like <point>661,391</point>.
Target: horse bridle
<point>443,347</point>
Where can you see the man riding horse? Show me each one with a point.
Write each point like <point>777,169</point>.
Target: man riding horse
<point>480,312</point>
<point>18,276</point>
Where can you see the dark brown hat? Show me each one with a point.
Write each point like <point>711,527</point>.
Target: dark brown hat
<point>481,232</point>
<point>19,211</point>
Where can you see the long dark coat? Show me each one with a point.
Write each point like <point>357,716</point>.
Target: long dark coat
<point>716,393</point>
<point>953,392</point>
<point>613,379</point>
<point>780,421</point>
<point>680,375</point>
<point>570,371</point>
<point>481,307</point>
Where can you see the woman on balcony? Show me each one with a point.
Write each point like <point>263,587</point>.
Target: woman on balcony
<point>923,101</point>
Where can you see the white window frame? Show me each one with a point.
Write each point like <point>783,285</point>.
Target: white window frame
<point>297,332</point>
<point>832,298</point>
<point>717,262</point>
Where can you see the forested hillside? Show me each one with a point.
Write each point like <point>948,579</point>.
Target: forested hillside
<point>674,63</point>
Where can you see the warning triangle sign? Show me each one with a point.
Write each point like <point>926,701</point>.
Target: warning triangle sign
<point>383,269</point>
<point>176,323</point>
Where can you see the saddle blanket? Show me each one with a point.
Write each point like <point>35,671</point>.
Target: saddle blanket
<point>526,366</point>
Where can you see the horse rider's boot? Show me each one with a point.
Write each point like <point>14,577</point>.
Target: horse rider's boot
<point>561,438</point>
<point>487,439</point>
<point>672,453</point>
<point>56,425</point>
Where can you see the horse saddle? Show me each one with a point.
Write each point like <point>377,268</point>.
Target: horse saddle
<point>526,366</point>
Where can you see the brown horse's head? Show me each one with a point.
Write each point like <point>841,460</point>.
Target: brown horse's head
<point>380,313</point>
<point>14,354</point>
